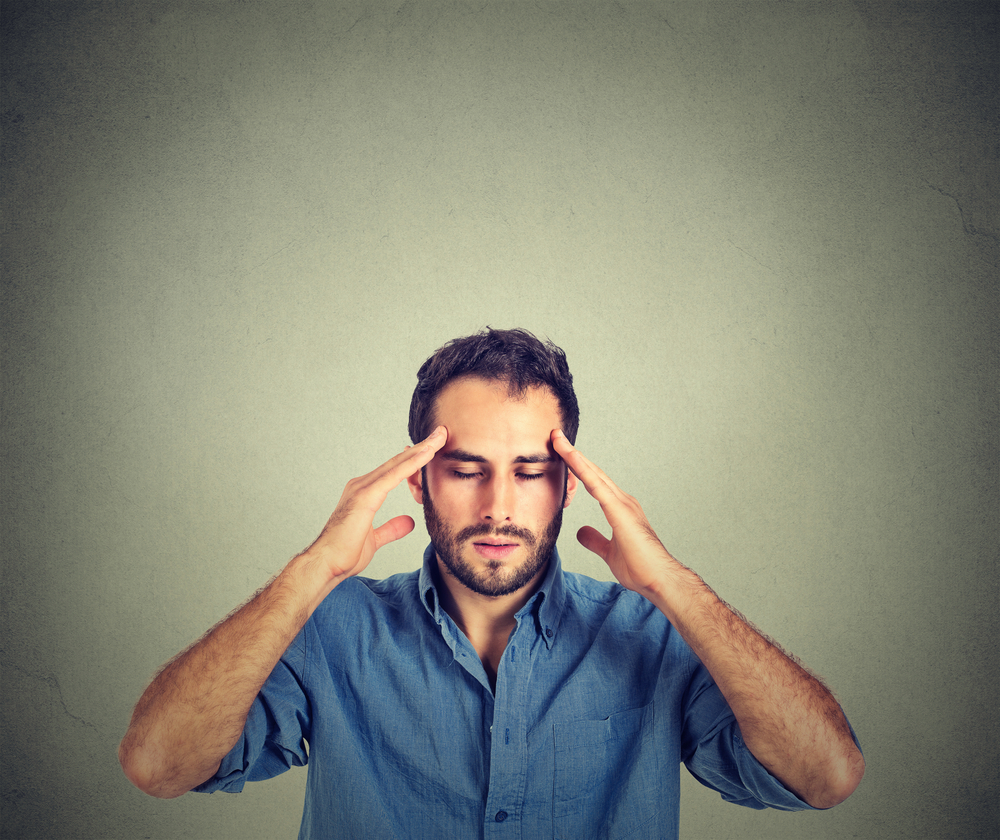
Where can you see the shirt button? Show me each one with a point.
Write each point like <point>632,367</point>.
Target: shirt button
<point>548,632</point>
<point>501,816</point>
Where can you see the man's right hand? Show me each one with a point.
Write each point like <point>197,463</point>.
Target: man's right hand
<point>193,712</point>
<point>349,540</point>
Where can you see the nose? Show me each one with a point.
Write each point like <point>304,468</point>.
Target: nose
<point>498,500</point>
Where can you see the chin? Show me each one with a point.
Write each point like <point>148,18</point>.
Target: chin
<point>492,577</point>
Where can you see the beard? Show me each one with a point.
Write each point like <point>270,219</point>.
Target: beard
<point>497,579</point>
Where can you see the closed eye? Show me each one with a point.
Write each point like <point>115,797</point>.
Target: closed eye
<point>467,475</point>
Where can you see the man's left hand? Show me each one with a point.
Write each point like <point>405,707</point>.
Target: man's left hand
<point>634,553</point>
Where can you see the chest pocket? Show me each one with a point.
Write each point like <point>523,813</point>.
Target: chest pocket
<point>607,777</point>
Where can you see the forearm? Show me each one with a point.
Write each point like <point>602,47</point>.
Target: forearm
<point>788,719</point>
<point>193,712</point>
<point>195,709</point>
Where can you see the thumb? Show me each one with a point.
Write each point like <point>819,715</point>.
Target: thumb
<point>394,529</point>
<point>592,539</point>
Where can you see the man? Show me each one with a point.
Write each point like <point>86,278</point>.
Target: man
<point>491,694</point>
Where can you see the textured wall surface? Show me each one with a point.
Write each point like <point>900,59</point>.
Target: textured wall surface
<point>765,234</point>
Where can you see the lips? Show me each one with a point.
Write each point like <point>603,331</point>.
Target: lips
<point>494,549</point>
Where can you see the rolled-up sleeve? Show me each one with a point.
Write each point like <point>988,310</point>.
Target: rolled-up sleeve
<point>724,763</point>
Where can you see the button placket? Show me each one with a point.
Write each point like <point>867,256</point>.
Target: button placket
<point>509,757</point>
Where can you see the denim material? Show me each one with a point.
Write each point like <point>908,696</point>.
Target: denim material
<point>598,701</point>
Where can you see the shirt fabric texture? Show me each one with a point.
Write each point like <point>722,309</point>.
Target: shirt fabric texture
<point>598,700</point>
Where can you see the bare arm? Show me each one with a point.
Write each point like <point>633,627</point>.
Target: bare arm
<point>787,717</point>
<point>193,712</point>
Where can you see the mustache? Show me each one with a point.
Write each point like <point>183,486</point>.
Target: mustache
<point>483,530</point>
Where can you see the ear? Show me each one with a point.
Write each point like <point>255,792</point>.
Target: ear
<point>571,484</point>
<point>416,485</point>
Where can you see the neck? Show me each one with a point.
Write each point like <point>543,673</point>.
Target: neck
<point>487,621</point>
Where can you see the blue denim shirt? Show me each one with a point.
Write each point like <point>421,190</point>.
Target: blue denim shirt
<point>598,700</point>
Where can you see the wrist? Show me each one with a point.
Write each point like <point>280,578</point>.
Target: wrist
<point>677,591</point>
<point>308,576</point>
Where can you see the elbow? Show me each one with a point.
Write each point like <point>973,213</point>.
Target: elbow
<point>144,773</point>
<point>841,782</point>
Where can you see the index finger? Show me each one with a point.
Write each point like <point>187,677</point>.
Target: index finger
<point>592,476</point>
<point>411,459</point>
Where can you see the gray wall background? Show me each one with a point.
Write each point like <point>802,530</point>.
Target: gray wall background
<point>765,234</point>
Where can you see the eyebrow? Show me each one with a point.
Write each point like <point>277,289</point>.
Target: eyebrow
<point>466,457</point>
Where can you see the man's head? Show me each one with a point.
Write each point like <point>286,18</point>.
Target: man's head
<point>494,494</point>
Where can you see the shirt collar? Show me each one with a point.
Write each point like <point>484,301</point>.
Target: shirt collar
<point>545,606</point>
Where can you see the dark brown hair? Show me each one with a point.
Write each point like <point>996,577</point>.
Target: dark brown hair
<point>514,357</point>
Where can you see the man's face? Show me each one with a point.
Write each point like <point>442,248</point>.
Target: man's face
<point>494,494</point>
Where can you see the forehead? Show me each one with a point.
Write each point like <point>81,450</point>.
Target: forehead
<point>481,413</point>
